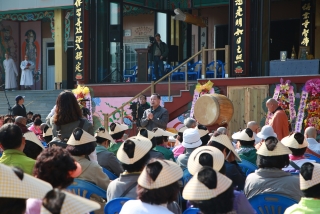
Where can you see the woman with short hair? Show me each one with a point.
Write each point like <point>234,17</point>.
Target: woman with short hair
<point>157,186</point>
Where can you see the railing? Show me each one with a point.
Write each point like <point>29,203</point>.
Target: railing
<point>203,53</point>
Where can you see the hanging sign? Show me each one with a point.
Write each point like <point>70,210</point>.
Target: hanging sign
<point>78,40</point>
<point>306,19</point>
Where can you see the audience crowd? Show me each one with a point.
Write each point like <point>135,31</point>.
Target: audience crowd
<point>159,171</point>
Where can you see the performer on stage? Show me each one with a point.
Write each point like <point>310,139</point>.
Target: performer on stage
<point>11,73</point>
<point>156,116</point>
<point>27,67</point>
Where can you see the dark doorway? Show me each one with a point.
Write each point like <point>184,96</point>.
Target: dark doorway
<point>283,35</point>
<point>70,82</point>
<point>221,40</point>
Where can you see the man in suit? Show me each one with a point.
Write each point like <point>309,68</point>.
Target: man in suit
<point>18,109</point>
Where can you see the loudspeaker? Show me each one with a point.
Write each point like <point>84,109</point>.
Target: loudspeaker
<point>114,33</point>
<point>173,53</point>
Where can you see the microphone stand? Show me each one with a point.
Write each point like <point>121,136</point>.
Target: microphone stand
<point>9,107</point>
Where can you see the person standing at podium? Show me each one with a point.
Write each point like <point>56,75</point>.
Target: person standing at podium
<point>159,52</point>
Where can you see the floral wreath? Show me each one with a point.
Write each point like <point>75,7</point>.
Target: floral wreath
<point>284,94</point>
<point>83,93</point>
<point>309,103</point>
<point>205,88</point>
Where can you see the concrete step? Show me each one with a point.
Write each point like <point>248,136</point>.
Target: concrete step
<point>37,101</point>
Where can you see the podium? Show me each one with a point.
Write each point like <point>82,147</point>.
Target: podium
<point>142,58</point>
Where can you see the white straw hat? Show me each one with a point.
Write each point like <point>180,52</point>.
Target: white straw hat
<point>104,134</point>
<point>169,174</point>
<point>193,162</point>
<point>291,142</point>
<point>243,135</point>
<point>47,133</point>
<point>191,138</point>
<point>142,147</point>
<point>149,133</point>
<point>266,131</point>
<point>224,140</point>
<point>196,190</point>
<point>118,128</point>
<point>31,136</point>
<point>280,149</point>
<point>202,132</point>
<point>12,186</point>
<point>160,132</point>
<point>74,204</point>
<point>315,177</point>
<point>80,137</point>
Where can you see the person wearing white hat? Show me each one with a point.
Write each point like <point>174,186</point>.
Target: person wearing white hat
<point>16,187</point>
<point>33,145</point>
<point>191,140</point>
<point>247,151</point>
<point>210,191</point>
<point>269,178</point>
<point>179,149</point>
<point>116,131</point>
<point>310,186</point>
<point>80,145</point>
<point>47,132</point>
<point>133,155</point>
<point>233,171</point>
<point>106,159</point>
<point>204,134</point>
<point>61,201</point>
<point>298,145</point>
<point>13,143</point>
<point>160,139</point>
<point>209,156</point>
<point>157,186</point>
<point>279,121</point>
<point>311,134</point>
<point>266,131</point>
<point>55,166</point>
<point>254,126</point>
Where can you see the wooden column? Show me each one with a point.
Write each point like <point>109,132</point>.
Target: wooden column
<point>60,59</point>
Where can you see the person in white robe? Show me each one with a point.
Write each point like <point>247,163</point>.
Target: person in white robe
<point>27,67</point>
<point>11,73</point>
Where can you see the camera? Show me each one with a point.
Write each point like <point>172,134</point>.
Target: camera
<point>134,107</point>
<point>151,39</point>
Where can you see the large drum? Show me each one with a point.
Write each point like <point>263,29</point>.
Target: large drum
<point>211,109</point>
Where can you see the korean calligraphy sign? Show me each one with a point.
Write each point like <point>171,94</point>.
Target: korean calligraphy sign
<point>78,40</point>
<point>306,27</point>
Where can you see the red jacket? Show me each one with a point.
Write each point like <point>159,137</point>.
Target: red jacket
<point>280,124</point>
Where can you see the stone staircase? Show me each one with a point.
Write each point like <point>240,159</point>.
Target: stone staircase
<point>37,101</point>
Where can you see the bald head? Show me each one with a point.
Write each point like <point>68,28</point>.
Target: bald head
<point>222,130</point>
<point>21,120</point>
<point>310,132</point>
<point>272,105</point>
<point>254,126</point>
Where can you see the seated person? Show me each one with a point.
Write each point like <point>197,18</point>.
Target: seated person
<point>47,133</point>
<point>160,139</point>
<point>116,131</point>
<point>106,159</point>
<point>310,187</point>
<point>55,166</point>
<point>16,187</point>
<point>212,157</point>
<point>210,191</point>
<point>35,128</point>
<point>246,151</point>
<point>29,117</point>
<point>133,155</point>
<point>13,145</point>
<point>179,149</point>
<point>80,145</point>
<point>151,136</point>
<point>233,170</point>
<point>204,134</point>
<point>297,143</point>
<point>157,187</point>
<point>61,201</point>
<point>266,131</point>
<point>191,140</point>
<point>33,145</point>
<point>311,135</point>
<point>269,178</point>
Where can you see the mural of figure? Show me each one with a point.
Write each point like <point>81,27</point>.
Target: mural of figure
<point>11,73</point>
<point>8,42</point>
<point>31,48</point>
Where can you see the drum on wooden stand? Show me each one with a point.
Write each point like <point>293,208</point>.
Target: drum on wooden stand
<point>211,109</point>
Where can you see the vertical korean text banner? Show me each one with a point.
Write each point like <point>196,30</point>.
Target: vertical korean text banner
<point>78,40</point>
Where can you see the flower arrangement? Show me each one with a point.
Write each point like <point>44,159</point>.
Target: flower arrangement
<point>205,88</point>
<point>309,110</point>
<point>284,94</point>
<point>83,93</point>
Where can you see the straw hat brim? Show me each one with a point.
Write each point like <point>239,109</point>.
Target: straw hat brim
<point>314,180</point>
<point>291,142</point>
<point>85,138</point>
<point>280,149</point>
<point>242,136</point>
<point>224,140</point>
<point>119,128</point>
<point>31,136</point>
